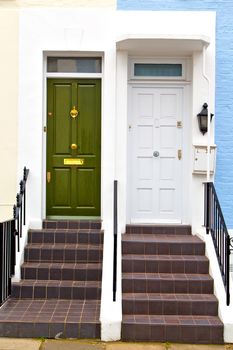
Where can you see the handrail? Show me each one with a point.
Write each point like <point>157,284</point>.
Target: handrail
<point>19,210</point>
<point>8,231</point>
<point>216,226</point>
<point>115,219</point>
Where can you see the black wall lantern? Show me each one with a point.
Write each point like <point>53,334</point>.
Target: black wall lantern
<point>203,119</point>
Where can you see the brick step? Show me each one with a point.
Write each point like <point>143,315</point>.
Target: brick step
<point>72,224</point>
<point>181,329</point>
<point>30,289</point>
<point>88,236</point>
<point>162,244</point>
<point>159,229</point>
<point>63,253</point>
<point>60,271</point>
<point>169,304</point>
<point>48,318</point>
<point>165,263</point>
<point>166,283</point>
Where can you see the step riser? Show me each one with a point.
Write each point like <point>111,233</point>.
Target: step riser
<point>196,334</point>
<point>86,224</point>
<point>166,248</point>
<point>65,237</point>
<point>161,230</point>
<point>61,274</point>
<point>165,266</point>
<point>167,286</point>
<point>169,307</point>
<point>54,292</point>
<point>62,255</point>
<point>50,330</point>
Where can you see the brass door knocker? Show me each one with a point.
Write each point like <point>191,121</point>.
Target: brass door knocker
<point>74,112</point>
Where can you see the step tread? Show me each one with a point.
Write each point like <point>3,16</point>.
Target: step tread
<point>84,266</point>
<point>169,297</point>
<point>166,276</point>
<point>57,283</point>
<point>144,238</point>
<point>70,230</point>
<point>164,257</point>
<point>200,320</point>
<point>64,246</point>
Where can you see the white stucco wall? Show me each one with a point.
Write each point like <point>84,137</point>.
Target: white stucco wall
<point>8,109</point>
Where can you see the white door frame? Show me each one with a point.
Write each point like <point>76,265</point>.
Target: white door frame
<point>186,147</point>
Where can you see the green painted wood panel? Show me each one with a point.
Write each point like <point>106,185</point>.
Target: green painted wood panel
<point>74,190</point>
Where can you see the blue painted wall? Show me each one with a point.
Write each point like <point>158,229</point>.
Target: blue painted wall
<point>224,84</point>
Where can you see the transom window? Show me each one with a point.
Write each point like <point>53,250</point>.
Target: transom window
<point>74,65</point>
<point>157,70</point>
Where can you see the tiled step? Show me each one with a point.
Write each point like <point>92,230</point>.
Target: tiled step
<point>72,224</point>
<point>166,283</point>
<point>66,253</point>
<point>30,289</point>
<point>88,236</point>
<point>159,229</point>
<point>165,263</point>
<point>162,244</point>
<point>50,318</point>
<point>169,304</point>
<point>60,271</point>
<point>169,328</point>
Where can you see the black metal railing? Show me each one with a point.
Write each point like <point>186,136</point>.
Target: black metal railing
<point>19,210</point>
<point>216,226</point>
<point>115,218</point>
<point>9,230</point>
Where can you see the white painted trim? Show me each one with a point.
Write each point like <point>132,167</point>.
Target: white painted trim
<point>74,75</point>
<point>186,151</point>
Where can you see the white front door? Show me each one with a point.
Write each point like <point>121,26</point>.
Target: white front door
<point>155,154</point>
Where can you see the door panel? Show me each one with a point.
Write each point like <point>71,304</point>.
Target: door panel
<point>62,179</point>
<point>74,189</point>
<point>155,178</point>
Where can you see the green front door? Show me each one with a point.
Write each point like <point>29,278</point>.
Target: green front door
<point>73,147</point>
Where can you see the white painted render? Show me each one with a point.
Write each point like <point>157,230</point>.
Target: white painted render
<point>8,110</point>
<point>80,31</point>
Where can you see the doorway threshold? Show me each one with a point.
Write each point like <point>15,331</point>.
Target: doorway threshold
<point>75,218</point>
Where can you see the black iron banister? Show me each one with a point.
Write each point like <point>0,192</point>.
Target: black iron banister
<point>19,210</point>
<point>115,219</point>
<point>216,226</point>
<point>8,232</point>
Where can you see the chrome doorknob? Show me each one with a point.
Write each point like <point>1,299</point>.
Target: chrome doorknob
<point>155,154</point>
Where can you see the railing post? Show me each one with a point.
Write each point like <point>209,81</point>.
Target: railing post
<point>1,260</point>
<point>227,268</point>
<point>207,207</point>
<point>115,240</point>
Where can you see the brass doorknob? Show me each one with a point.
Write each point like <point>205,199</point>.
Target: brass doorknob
<point>73,146</point>
<point>74,112</point>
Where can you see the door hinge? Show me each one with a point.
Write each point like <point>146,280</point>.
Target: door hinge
<point>179,154</point>
<point>48,176</point>
<point>45,129</point>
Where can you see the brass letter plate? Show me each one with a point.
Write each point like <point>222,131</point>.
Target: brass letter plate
<point>73,161</point>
